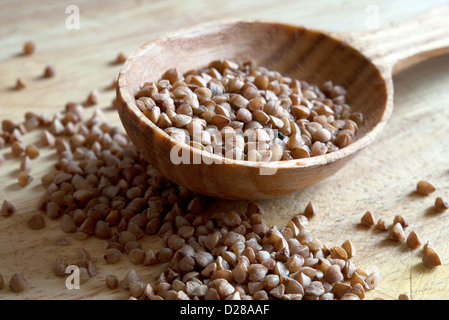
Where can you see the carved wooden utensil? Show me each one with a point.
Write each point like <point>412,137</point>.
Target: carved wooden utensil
<point>361,62</point>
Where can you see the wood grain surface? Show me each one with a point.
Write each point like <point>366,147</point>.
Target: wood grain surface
<point>382,179</point>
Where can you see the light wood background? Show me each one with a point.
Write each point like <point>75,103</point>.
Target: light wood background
<point>413,146</point>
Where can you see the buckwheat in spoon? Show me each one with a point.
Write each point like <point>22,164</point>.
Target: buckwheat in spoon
<point>255,110</point>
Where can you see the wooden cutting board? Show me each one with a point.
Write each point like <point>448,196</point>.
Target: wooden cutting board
<point>381,179</point>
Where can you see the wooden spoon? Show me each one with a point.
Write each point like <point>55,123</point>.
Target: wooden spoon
<point>361,62</point>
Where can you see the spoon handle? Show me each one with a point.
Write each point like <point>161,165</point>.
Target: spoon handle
<point>407,43</point>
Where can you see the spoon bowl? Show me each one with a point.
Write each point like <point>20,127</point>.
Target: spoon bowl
<point>294,51</point>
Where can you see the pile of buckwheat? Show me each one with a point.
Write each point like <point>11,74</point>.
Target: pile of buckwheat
<point>250,113</point>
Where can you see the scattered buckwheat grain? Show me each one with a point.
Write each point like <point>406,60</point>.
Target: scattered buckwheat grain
<point>7,209</point>
<point>49,71</point>
<point>441,204</point>
<point>245,112</point>
<point>93,97</point>
<point>367,219</point>
<point>36,222</point>
<point>102,187</point>
<point>397,233</point>
<point>29,47</point>
<point>26,164</point>
<point>111,281</point>
<point>24,178</point>
<point>59,267</point>
<point>425,188</point>
<point>112,255</point>
<point>17,282</point>
<point>20,84</point>
<point>32,151</point>
<point>425,247</point>
<point>381,225</point>
<point>310,210</point>
<point>404,296</point>
<point>413,240</point>
<point>431,258</point>
<point>400,219</point>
